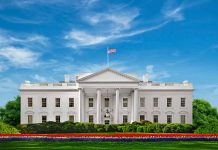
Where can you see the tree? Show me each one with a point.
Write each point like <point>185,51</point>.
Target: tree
<point>11,113</point>
<point>203,113</point>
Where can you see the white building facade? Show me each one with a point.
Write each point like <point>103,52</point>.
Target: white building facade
<point>106,97</point>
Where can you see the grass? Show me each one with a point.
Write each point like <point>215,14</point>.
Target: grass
<point>99,145</point>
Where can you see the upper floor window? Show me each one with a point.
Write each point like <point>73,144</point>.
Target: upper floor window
<point>125,118</point>
<point>182,119</point>
<point>155,102</point>
<point>91,118</point>
<point>155,118</point>
<point>43,102</point>
<point>106,102</point>
<point>142,102</point>
<point>71,102</point>
<point>58,119</point>
<point>125,102</point>
<point>71,118</point>
<point>182,102</point>
<point>91,102</point>
<point>30,102</point>
<point>44,119</point>
<point>169,102</point>
<point>169,118</point>
<point>30,119</point>
<point>57,102</point>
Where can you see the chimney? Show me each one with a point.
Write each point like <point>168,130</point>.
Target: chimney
<point>66,78</point>
<point>145,78</point>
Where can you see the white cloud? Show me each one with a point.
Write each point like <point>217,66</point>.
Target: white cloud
<point>19,57</point>
<point>39,78</point>
<point>156,75</point>
<point>7,85</point>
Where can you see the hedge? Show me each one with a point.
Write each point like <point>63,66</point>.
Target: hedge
<point>71,127</point>
<point>5,129</point>
<point>209,128</point>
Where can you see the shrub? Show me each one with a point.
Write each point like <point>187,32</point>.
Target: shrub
<point>5,129</point>
<point>139,129</point>
<point>209,128</point>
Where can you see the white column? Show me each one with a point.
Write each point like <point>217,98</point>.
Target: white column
<point>116,112</point>
<point>132,106</point>
<point>98,107</point>
<point>135,105</point>
<point>81,106</point>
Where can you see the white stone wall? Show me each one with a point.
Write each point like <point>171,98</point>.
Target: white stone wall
<point>50,111</point>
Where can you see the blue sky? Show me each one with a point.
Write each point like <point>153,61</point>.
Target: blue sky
<point>172,41</point>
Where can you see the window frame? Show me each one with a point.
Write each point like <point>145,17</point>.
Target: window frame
<point>108,103</point>
<point>71,102</point>
<point>72,120</point>
<point>58,119</point>
<point>44,104</point>
<point>154,99</point>
<point>169,119</point>
<point>44,120</point>
<point>30,101</point>
<point>155,117</point>
<point>57,102</point>
<point>169,101</point>
<point>91,118</point>
<point>125,98</point>
<point>90,103</point>
<point>140,117</point>
<point>30,119</point>
<point>182,120</point>
<point>140,100</point>
<point>125,118</point>
<point>181,102</point>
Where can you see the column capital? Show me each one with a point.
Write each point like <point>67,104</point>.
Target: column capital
<point>98,89</point>
<point>117,88</point>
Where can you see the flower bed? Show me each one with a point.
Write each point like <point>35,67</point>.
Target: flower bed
<point>111,137</point>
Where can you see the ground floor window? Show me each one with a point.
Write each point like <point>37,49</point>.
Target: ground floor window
<point>107,122</point>
<point>71,118</point>
<point>91,118</point>
<point>44,119</point>
<point>30,119</point>
<point>182,117</point>
<point>142,117</point>
<point>125,118</point>
<point>155,118</point>
<point>58,119</point>
<point>169,118</point>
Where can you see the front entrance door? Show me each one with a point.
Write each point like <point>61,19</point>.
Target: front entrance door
<point>106,121</point>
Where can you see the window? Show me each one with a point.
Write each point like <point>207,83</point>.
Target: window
<point>58,119</point>
<point>169,102</point>
<point>71,102</point>
<point>71,118</point>
<point>142,117</point>
<point>30,102</point>
<point>91,101</point>
<point>142,102</point>
<point>43,102</point>
<point>125,118</point>
<point>107,122</point>
<point>125,102</point>
<point>57,102</point>
<point>169,118</point>
<point>44,119</point>
<point>182,102</point>
<point>155,102</point>
<point>155,118</point>
<point>91,118</point>
<point>30,119</point>
<point>106,102</point>
<point>182,118</point>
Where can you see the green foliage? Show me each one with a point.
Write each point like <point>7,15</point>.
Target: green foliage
<point>203,113</point>
<point>11,113</point>
<point>5,129</point>
<point>209,128</point>
<point>70,127</point>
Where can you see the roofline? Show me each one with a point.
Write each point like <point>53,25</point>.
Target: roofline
<point>98,72</point>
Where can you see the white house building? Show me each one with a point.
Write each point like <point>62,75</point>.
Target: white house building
<point>106,97</point>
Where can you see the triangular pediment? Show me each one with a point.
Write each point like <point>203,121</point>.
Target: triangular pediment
<point>108,75</point>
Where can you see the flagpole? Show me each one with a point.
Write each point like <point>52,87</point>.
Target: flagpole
<point>108,65</point>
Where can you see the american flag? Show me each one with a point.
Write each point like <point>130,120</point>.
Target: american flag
<point>111,50</point>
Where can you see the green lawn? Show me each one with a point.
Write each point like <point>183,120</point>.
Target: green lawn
<point>97,145</point>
